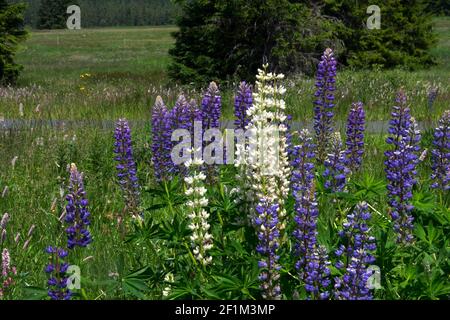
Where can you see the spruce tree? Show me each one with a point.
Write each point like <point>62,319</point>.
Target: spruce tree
<point>226,39</point>
<point>405,38</point>
<point>53,14</point>
<point>219,39</point>
<point>12,32</point>
<point>439,7</point>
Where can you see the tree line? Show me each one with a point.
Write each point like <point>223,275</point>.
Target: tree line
<point>229,40</point>
<point>51,14</point>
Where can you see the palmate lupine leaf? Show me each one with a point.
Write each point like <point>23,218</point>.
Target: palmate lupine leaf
<point>35,293</point>
<point>136,282</point>
<point>166,195</point>
<point>238,287</point>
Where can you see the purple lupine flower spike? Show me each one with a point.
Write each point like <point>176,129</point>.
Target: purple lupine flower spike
<point>355,137</point>
<point>267,224</point>
<point>355,256</point>
<point>313,262</point>
<point>324,102</point>
<point>211,107</point>
<point>400,168</point>
<point>180,114</point>
<point>336,171</point>
<point>317,274</point>
<point>211,113</point>
<point>303,190</point>
<point>242,102</point>
<point>77,213</point>
<point>440,155</point>
<point>289,137</point>
<point>126,167</point>
<point>180,120</point>
<point>161,141</point>
<point>195,113</point>
<point>57,271</point>
<point>195,123</point>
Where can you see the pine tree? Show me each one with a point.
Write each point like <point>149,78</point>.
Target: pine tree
<point>11,34</point>
<point>53,14</point>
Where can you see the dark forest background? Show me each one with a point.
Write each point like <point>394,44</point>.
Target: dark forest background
<point>103,13</point>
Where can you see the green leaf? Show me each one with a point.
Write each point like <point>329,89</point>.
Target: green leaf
<point>135,283</point>
<point>35,293</point>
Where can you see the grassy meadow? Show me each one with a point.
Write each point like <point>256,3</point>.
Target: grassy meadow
<point>106,74</point>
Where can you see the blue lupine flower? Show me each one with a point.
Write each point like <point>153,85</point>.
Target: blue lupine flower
<point>440,155</point>
<point>336,171</point>
<point>305,199</point>
<point>126,166</point>
<point>57,270</point>
<point>324,103</point>
<point>400,168</point>
<point>267,225</point>
<point>180,119</point>
<point>289,137</point>
<point>211,113</point>
<point>313,263</point>
<point>77,213</point>
<point>355,256</point>
<point>317,274</point>
<point>242,102</point>
<point>211,107</point>
<point>161,141</point>
<point>355,137</point>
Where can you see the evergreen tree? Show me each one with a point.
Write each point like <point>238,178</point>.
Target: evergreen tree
<point>405,38</point>
<point>53,14</point>
<point>219,39</point>
<point>11,34</point>
<point>222,39</point>
<point>440,7</point>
